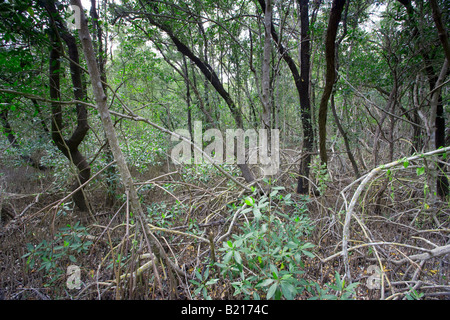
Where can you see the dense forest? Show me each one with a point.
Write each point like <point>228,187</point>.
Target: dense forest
<point>249,149</point>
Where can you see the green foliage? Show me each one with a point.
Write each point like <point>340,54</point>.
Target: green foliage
<point>335,291</point>
<point>142,153</point>
<point>166,215</point>
<point>266,258</point>
<point>203,284</point>
<point>414,295</point>
<point>53,256</point>
<point>319,170</point>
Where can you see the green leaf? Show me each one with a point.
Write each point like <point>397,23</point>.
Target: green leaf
<point>246,210</point>
<point>272,290</point>
<point>210,282</point>
<point>307,245</point>
<point>256,213</point>
<point>288,289</point>
<point>237,257</point>
<point>292,245</point>
<point>26,255</point>
<point>352,286</point>
<point>249,201</point>
<point>266,282</point>
<point>30,11</point>
<point>420,171</point>
<point>227,257</point>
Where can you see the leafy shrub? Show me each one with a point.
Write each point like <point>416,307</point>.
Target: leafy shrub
<point>53,256</point>
<point>265,259</point>
<point>335,291</point>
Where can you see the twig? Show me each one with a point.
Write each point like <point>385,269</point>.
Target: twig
<point>152,227</point>
<point>232,223</point>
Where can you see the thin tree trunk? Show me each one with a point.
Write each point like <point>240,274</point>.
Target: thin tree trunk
<point>330,77</point>
<point>265,80</point>
<point>188,102</point>
<point>389,108</point>
<point>442,32</point>
<point>438,131</point>
<point>111,172</point>
<point>110,132</point>
<point>442,179</point>
<point>436,124</point>
<point>344,136</point>
<point>305,99</point>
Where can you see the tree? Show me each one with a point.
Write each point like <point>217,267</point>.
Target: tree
<point>301,80</point>
<point>304,93</point>
<point>330,77</point>
<point>435,121</point>
<point>69,147</point>
<point>442,180</point>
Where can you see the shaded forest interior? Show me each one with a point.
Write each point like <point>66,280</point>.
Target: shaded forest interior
<point>224,149</point>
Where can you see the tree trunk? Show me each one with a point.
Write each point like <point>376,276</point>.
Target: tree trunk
<point>436,125</point>
<point>442,180</point>
<point>188,103</point>
<point>345,137</point>
<point>70,146</point>
<point>442,32</point>
<point>108,126</point>
<point>127,180</point>
<point>302,85</point>
<point>110,173</point>
<point>305,100</point>
<point>330,77</point>
<point>265,81</point>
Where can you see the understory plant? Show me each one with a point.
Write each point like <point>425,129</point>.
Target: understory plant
<point>265,260</point>
<point>53,257</point>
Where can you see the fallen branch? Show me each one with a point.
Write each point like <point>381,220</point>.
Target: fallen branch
<point>436,252</point>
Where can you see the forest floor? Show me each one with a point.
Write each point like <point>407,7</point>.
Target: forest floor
<point>39,241</point>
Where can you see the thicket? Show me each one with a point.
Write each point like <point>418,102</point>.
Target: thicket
<point>370,220</point>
